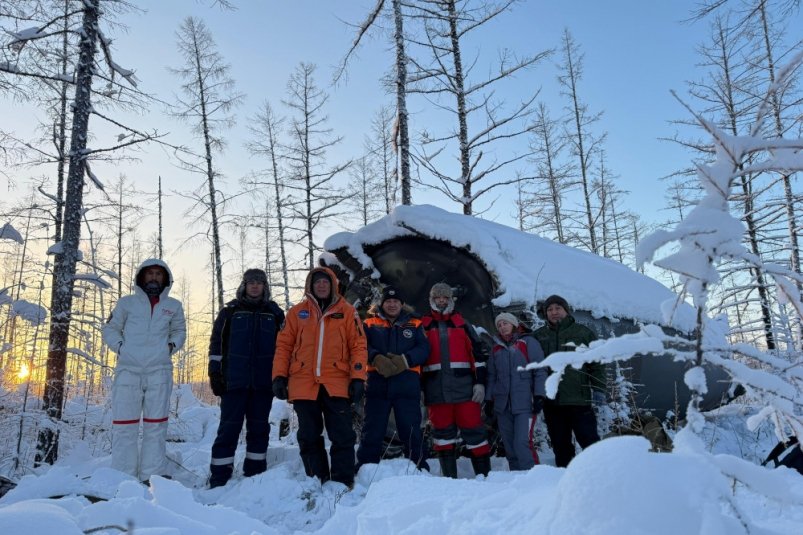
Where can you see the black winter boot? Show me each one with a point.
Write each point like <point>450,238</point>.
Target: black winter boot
<point>220,474</point>
<point>316,464</point>
<point>481,465</point>
<point>448,464</point>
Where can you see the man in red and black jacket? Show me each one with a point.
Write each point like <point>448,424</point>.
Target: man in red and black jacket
<point>397,347</point>
<point>454,383</point>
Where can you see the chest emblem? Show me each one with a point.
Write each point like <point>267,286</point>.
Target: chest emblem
<point>407,333</point>
<point>303,314</point>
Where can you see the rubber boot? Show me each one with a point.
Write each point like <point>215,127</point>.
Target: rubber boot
<point>481,465</point>
<point>448,464</point>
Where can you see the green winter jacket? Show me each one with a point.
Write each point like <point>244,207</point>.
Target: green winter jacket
<point>575,385</point>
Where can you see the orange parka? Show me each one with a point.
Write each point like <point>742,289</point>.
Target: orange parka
<point>317,347</point>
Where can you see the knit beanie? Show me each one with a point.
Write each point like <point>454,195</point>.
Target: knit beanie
<point>390,292</point>
<point>508,317</point>
<point>555,300</point>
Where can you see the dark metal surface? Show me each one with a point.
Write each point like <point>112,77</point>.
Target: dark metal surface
<point>414,264</point>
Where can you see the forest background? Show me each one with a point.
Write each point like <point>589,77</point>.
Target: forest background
<point>573,134</point>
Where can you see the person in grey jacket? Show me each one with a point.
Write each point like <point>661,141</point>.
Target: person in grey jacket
<point>145,330</point>
<point>514,396</point>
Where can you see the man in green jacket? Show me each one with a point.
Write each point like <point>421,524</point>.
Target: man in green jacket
<point>571,411</point>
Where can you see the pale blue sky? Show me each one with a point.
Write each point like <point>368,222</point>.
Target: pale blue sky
<point>636,51</point>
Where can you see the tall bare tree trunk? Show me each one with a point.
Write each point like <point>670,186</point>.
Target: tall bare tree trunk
<point>64,265</point>
<point>401,104</point>
<point>789,198</point>
<point>160,238</point>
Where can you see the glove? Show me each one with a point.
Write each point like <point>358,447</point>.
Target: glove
<point>384,365</point>
<point>356,390</point>
<point>280,388</point>
<point>538,404</point>
<point>478,393</point>
<point>216,380</point>
<point>399,363</point>
<point>598,398</point>
<point>489,409</point>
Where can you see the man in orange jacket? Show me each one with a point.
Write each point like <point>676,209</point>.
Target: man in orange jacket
<point>320,366</point>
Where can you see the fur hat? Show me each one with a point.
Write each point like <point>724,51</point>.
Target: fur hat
<point>255,275</point>
<point>390,292</point>
<point>508,317</point>
<point>554,300</point>
<point>441,289</point>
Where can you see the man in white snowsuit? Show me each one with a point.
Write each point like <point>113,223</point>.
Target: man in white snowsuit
<point>145,329</point>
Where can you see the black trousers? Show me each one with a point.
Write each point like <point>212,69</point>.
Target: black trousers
<point>562,421</point>
<point>253,406</point>
<point>335,414</point>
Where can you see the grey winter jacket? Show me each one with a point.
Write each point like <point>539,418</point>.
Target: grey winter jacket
<point>508,388</point>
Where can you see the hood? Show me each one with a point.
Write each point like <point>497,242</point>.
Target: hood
<point>154,262</point>
<point>332,278</point>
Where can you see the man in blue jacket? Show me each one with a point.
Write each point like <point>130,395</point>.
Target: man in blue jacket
<point>241,353</point>
<point>397,347</point>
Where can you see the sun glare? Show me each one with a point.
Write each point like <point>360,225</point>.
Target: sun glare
<point>24,372</point>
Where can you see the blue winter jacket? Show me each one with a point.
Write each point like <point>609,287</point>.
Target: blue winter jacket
<point>244,340</point>
<point>508,388</point>
<point>405,337</point>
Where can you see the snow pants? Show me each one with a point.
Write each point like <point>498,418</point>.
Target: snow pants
<point>562,421</point>
<point>447,418</point>
<point>515,432</point>
<point>140,396</point>
<point>253,406</point>
<point>402,393</point>
<point>335,414</point>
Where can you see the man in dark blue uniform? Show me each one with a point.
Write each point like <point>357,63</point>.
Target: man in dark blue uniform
<point>241,353</point>
<point>397,346</point>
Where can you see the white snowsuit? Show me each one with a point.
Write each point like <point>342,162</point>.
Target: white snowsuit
<point>143,380</point>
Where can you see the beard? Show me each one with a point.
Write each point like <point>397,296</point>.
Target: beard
<point>152,288</point>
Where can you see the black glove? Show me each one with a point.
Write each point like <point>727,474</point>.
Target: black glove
<point>356,390</point>
<point>489,409</point>
<point>280,388</point>
<point>216,380</point>
<point>538,404</point>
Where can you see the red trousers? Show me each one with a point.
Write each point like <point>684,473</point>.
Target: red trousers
<point>448,418</point>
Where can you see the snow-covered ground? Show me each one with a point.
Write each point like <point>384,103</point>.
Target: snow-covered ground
<point>615,487</point>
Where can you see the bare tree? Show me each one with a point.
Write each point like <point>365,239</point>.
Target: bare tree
<point>50,67</point>
<point>551,178</point>
<point>380,149</point>
<point>365,191</point>
<point>402,137</point>
<point>265,128</point>
<point>310,139</point>
<point>728,93</point>
<point>578,123</point>
<point>484,123</point>
<point>209,97</point>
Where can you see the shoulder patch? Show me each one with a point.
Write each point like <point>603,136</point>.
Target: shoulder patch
<point>358,366</point>
<point>303,314</point>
